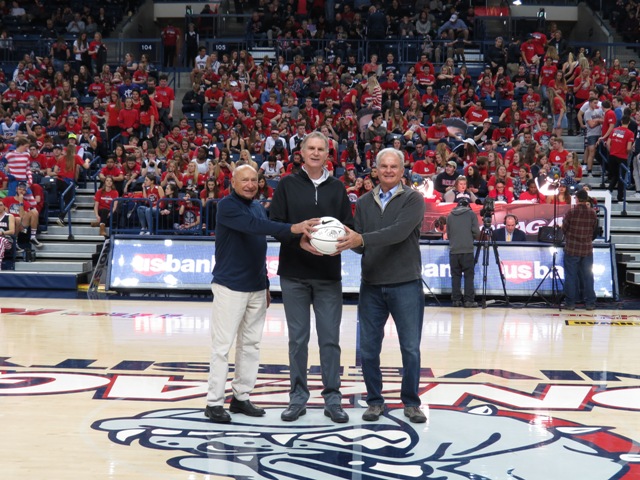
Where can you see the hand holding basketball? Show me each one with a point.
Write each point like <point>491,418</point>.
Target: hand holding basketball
<point>350,240</point>
<point>325,237</point>
<point>306,227</point>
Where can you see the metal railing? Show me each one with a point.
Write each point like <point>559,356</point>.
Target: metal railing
<point>406,50</point>
<point>166,219</point>
<point>625,179</point>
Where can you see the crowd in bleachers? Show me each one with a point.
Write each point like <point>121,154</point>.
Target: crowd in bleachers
<point>510,116</point>
<point>497,128</point>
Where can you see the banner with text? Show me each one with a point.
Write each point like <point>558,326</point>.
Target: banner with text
<point>187,263</point>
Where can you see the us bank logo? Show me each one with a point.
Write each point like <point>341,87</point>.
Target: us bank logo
<point>457,443</point>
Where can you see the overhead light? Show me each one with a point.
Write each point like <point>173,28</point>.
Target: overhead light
<point>517,2</point>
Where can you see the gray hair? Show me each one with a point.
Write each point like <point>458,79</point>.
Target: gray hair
<point>399,155</point>
<point>319,135</point>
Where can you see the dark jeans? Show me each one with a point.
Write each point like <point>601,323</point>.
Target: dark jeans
<point>578,274</point>
<point>298,295</point>
<point>405,303</point>
<point>614,175</point>
<point>462,264</point>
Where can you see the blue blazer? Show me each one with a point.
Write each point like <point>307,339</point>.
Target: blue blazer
<point>500,235</point>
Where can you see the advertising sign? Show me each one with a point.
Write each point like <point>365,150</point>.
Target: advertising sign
<point>187,263</point>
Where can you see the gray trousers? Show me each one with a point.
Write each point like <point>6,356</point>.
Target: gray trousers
<point>325,296</point>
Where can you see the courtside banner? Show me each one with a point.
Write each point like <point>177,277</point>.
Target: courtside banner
<point>530,217</point>
<point>187,263</point>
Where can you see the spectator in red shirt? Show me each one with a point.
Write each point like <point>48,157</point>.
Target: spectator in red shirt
<point>272,111</point>
<point>426,167</point>
<point>476,114</point>
<point>500,193</point>
<point>328,92</point>
<point>558,155</point>
<point>169,36</point>
<point>437,132</point>
<point>531,194</point>
<point>128,120</point>
<point>620,145</point>
<point>165,98</point>
<point>102,208</point>
<point>24,211</point>
<point>111,169</point>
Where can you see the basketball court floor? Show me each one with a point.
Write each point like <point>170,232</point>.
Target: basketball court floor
<point>115,389</point>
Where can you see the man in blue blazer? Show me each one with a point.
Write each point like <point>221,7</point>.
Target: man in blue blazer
<point>509,233</point>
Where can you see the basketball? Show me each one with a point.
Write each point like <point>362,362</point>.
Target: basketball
<point>325,238</point>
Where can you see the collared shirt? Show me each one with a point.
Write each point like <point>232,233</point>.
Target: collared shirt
<point>385,197</point>
<point>578,226</point>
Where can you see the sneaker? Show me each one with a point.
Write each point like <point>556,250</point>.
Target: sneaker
<point>590,307</point>
<point>415,414</point>
<point>144,232</point>
<point>60,222</point>
<point>570,307</point>
<point>470,304</point>
<point>19,250</point>
<point>34,241</point>
<point>456,303</point>
<point>373,412</point>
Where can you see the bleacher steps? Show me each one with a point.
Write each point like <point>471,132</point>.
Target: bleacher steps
<point>627,247</point>
<point>79,216</point>
<point>62,247</point>
<point>84,201</point>
<point>76,238</point>
<point>625,239</point>
<point>633,277</point>
<point>63,256</point>
<point>260,52</point>
<point>76,230</point>
<point>54,267</point>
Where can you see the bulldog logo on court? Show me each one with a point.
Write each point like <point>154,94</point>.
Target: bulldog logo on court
<point>456,443</point>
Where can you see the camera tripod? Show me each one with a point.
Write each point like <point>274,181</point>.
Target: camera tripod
<point>487,241</point>
<point>555,278</point>
<point>553,271</point>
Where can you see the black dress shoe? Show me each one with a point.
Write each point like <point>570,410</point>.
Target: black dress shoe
<point>217,414</point>
<point>337,413</point>
<point>246,407</point>
<point>293,412</point>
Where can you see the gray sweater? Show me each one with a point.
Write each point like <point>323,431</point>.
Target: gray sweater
<point>391,252</point>
<point>462,229</point>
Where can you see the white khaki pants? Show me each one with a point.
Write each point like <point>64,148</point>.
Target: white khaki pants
<point>239,316</point>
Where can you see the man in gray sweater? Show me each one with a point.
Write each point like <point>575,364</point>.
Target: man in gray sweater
<point>387,234</point>
<point>462,229</point>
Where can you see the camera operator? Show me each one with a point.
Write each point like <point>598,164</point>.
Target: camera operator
<point>462,229</point>
<point>459,191</point>
<point>579,227</point>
